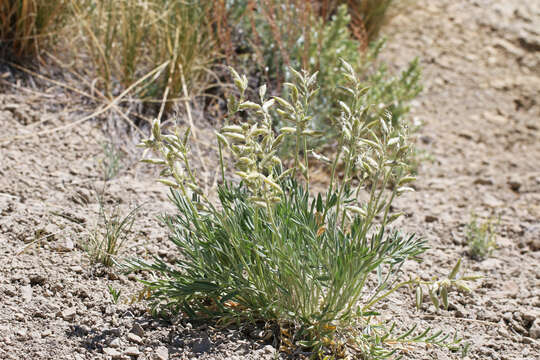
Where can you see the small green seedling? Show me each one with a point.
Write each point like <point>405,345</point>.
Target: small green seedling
<point>481,237</point>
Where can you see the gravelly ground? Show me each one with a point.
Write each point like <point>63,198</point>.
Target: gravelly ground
<point>481,134</point>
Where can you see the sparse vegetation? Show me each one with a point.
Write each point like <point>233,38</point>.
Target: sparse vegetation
<point>110,235</point>
<point>481,237</point>
<point>115,294</point>
<point>313,265</point>
<point>111,163</point>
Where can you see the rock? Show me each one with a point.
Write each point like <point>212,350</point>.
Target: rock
<point>269,349</point>
<point>511,288</point>
<point>77,269</point>
<point>21,333</point>
<point>66,246</point>
<point>161,353</point>
<point>26,293</point>
<point>134,338</point>
<point>490,264</point>
<point>491,201</point>
<point>115,343</point>
<point>69,314</point>
<point>531,237</point>
<point>431,218</point>
<point>137,330</point>
<point>514,184</point>
<point>534,331</point>
<point>466,135</point>
<point>483,181</point>
<point>202,345</point>
<point>46,332</point>
<point>132,351</point>
<point>113,353</point>
<point>37,279</point>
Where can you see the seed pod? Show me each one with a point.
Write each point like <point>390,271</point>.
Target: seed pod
<point>419,297</point>
<point>272,184</point>
<point>262,91</point>
<point>154,161</point>
<point>156,131</point>
<point>222,139</point>
<point>434,299</point>
<point>249,105</point>
<point>356,210</point>
<point>168,183</point>
<point>455,270</point>
<point>444,297</point>
<point>234,136</point>
<point>404,189</point>
<point>232,128</point>
<point>287,130</point>
<point>277,141</point>
<point>406,179</point>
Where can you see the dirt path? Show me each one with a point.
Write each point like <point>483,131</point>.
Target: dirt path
<point>481,135</point>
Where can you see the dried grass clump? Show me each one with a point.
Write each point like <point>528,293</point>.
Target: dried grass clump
<point>127,39</point>
<point>27,25</point>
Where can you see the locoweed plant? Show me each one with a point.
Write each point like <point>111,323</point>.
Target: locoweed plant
<point>481,237</point>
<point>313,267</point>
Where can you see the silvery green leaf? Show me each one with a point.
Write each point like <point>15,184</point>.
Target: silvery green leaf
<point>372,163</point>
<point>462,286</point>
<point>274,185</point>
<point>320,157</point>
<point>156,131</point>
<point>154,161</point>
<point>168,183</point>
<point>455,270</point>
<point>277,141</point>
<point>347,66</point>
<point>371,143</point>
<point>311,132</point>
<point>393,217</point>
<point>285,174</point>
<point>284,103</point>
<point>434,299</point>
<point>222,139</point>
<point>444,297</point>
<point>312,79</point>
<point>419,297</point>
<point>345,108</point>
<point>296,73</point>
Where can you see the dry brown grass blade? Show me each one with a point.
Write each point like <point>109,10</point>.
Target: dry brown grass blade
<point>83,93</point>
<point>103,109</point>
